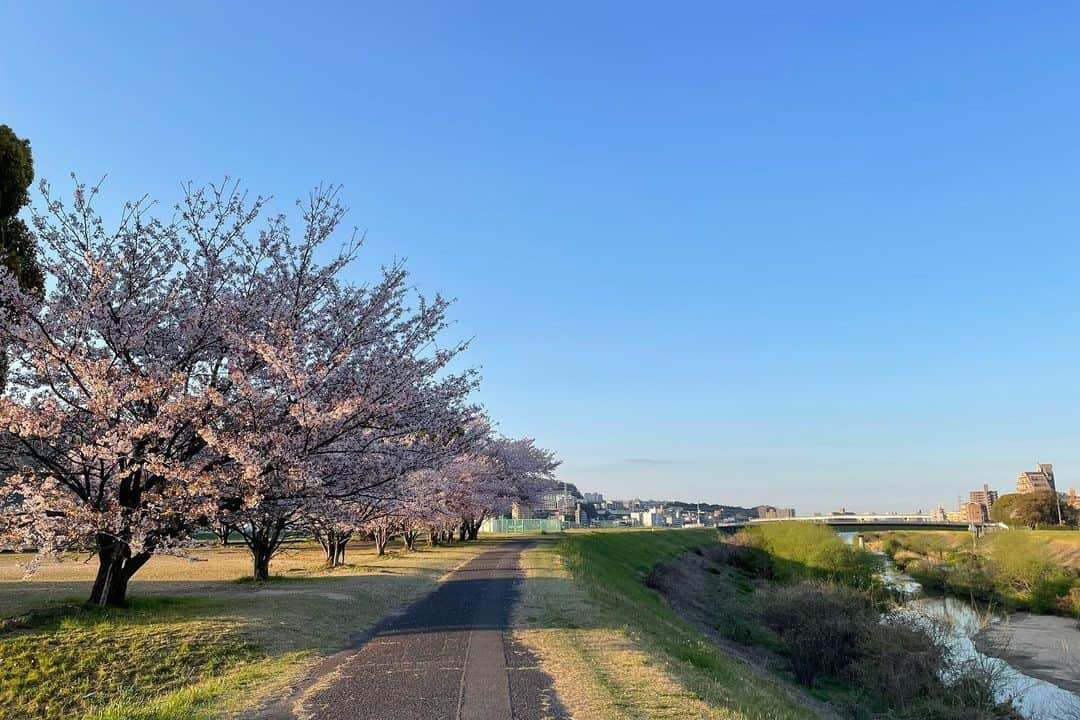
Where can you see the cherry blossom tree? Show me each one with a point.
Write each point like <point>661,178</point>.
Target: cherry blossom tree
<point>422,508</point>
<point>487,479</point>
<point>382,487</point>
<point>109,378</point>
<point>205,372</point>
<point>330,388</point>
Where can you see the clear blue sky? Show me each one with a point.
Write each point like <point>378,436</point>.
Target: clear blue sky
<point>800,256</point>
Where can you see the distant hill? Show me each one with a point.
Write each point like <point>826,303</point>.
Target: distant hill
<point>711,507</point>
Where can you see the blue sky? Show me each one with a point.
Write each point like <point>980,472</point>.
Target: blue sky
<point>801,255</point>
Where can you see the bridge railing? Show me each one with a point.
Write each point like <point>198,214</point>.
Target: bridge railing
<point>869,520</point>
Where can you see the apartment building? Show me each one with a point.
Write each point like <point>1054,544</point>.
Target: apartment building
<point>1041,479</point>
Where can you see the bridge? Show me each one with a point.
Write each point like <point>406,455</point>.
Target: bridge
<point>888,520</point>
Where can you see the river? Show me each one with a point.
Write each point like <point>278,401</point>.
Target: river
<point>1035,699</point>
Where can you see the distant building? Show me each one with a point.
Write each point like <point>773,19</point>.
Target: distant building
<point>977,508</point>
<point>646,518</point>
<point>1039,480</point>
<point>561,500</point>
<point>594,498</point>
<point>1074,501</point>
<point>986,497</point>
<point>940,514</point>
<point>768,512</point>
<point>974,512</point>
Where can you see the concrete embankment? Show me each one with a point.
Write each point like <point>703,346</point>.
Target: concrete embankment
<point>1042,646</point>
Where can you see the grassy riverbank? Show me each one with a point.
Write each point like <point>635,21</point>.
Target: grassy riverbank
<point>617,650</point>
<point>1033,570</point>
<point>197,640</point>
<point>783,621</point>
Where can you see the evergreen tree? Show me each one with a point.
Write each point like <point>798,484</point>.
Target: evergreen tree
<point>17,251</point>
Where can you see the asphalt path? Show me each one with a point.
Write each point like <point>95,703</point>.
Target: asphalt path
<point>448,657</point>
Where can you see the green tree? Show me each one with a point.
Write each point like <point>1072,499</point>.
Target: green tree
<point>1033,509</point>
<point>17,251</point>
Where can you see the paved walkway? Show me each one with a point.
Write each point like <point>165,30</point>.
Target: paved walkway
<point>449,657</point>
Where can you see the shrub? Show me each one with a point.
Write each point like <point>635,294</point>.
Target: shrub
<point>803,550</point>
<point>1048,592</point>
<point>896,661</point>
<point>900,660</point>
<point>890,547</point>
<point>821,626</point>
<point>739,552</point>
<point>1021,565</point>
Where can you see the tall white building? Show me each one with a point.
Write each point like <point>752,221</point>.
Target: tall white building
<point>647,518</point>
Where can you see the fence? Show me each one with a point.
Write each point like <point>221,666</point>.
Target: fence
<point>530,525</point>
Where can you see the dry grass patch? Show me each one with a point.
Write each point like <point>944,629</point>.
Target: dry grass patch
<point>622,663</point>
<point>1063,545</point>
<point>599,672</point>
<point>197,642</point>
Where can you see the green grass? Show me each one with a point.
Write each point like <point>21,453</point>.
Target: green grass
<point>193,643</point>
<point>799,550</point>
<point>199,701</point>
<point>612,568</point>
<point>1017,569</point>
<point>59,667</point>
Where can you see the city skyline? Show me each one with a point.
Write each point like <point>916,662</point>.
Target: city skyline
<point>748,497</point>
<point>744,255</point>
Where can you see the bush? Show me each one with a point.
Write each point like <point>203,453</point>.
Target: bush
<point>1046,596</point>
<point>900,661</point>
<point>806,551</point>
<point>890,547</point>
<point>895,663</point>
<point>1022,566</point>
<point>740,552</point>
<point>820,625</point>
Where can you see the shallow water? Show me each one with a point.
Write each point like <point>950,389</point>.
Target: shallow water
<point>1034,698</point>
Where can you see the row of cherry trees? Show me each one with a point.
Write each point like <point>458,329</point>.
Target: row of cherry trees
<point>217,370</point>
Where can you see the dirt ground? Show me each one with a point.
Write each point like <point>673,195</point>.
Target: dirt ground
<point>1042,646</point>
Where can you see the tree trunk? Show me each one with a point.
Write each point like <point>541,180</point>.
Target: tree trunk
<point>330,547</point>
<point>223,531</point>
<point>260,556</point>
<point>333,544</point>
<point>463,532</point>
<point>116,565</point>
<point>474,530</point>
<point>409,536</point>
<point>263,537</point>
<point>382,537</point>
<point>433,537</point>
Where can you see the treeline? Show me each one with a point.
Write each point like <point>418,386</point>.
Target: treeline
<point>1042,509</point>
<point>218,367</point>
